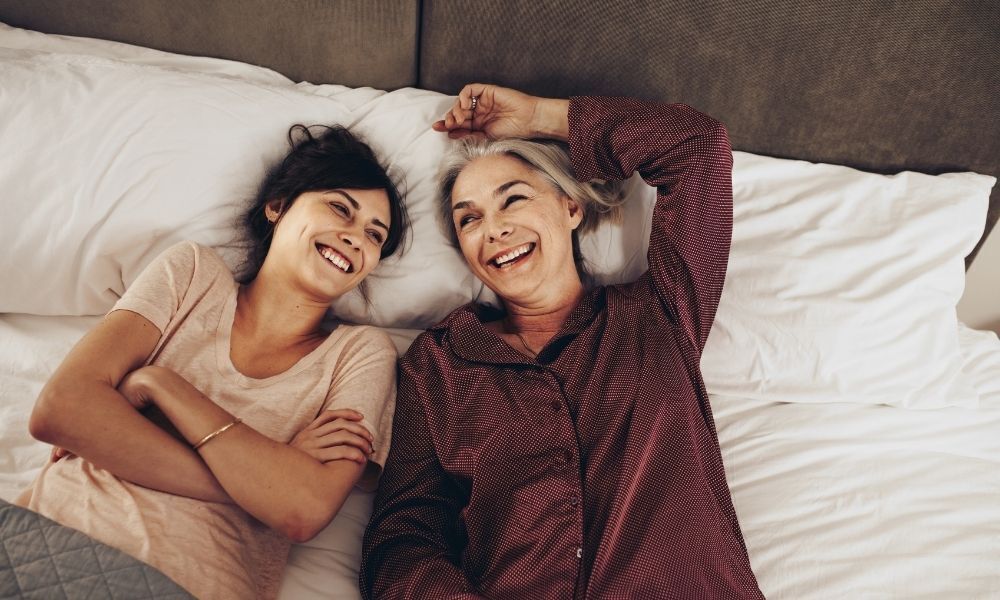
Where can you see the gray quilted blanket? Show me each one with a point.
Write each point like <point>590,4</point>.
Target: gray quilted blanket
<point>41,559</point>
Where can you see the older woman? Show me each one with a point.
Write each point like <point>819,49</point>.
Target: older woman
<point>563,445</point>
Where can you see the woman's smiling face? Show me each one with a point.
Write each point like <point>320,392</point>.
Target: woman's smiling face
<point>514,228</point>
<point>331,240</point>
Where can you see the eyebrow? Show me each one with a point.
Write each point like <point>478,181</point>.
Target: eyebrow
<point>357,206</point>
<point>499,191</point>
<point>503,188</point>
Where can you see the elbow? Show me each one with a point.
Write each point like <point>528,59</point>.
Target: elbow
<point>301,527</point>
<point>305,514</point>
<point>718,137</point>
<point>48,417</point>
<point>306,520</point>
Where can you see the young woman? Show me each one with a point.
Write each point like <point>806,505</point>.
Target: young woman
<point>203,425</point>
<point>563,446</point>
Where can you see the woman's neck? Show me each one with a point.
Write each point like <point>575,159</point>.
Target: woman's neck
<point>534,325</point>
<point>267,311</point>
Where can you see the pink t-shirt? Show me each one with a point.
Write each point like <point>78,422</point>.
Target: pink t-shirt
<point>218,550</point>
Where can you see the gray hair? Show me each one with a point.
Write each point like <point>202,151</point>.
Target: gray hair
<point>600,200</point>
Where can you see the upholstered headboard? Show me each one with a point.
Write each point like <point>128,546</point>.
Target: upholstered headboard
<point>882,86</point>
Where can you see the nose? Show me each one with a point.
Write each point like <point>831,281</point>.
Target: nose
<point>352,238</point>
<point>497,228</point>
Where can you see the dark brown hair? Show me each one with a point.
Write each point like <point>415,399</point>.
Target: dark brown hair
<point>334,159</point>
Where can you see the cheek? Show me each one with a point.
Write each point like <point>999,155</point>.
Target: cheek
<point>469,249</point>
<point>372,260</point>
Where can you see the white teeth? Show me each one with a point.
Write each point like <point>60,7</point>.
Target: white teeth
<point>500,260</point>
<point>335,258</point>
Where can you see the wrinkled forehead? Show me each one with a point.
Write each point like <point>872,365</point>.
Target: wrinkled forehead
<point>484,177</point>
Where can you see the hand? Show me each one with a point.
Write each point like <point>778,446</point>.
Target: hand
<point>504,113</point>
<point>336,435</point>
<point>58,453</point>
<point>135,388</point>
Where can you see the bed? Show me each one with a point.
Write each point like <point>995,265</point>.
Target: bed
<point>859,419</point>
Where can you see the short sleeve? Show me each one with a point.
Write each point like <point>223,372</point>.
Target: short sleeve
<point>364,379</point>
<point>160,289</point>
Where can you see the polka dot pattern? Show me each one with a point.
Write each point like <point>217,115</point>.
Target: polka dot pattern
<point>592,471</point>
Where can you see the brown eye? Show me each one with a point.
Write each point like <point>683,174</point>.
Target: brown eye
<point>337,206</point>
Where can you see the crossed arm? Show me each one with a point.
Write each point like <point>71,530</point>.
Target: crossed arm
<point>89,408</point>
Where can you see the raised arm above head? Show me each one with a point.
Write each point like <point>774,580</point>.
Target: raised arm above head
<point>686,155</point>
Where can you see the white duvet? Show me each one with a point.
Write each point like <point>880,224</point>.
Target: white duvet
<point>835,500</point>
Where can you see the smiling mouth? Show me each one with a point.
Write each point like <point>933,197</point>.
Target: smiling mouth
<point>512,256</point>
<point>335,258</point>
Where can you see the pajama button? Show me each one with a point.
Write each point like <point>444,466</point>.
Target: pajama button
<point>556,405</point>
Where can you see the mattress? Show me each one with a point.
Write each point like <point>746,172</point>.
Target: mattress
<point>835,500</point>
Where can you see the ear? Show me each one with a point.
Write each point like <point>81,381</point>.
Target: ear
<point>273,210</point>
<point>575,212</point>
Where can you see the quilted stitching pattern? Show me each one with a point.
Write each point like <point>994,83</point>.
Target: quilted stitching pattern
<point>41,559</point>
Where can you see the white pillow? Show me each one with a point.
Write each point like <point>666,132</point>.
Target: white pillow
<point>842,285</point>
<point>149,154</point>
<point>108,163</point>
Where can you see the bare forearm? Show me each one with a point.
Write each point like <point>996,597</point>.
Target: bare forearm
<point>94,421</point>
<point>551,119</point>
<point>280,485</point>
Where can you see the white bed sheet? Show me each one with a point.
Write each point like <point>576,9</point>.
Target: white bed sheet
<point>835,500</point>
<point>861,501</point>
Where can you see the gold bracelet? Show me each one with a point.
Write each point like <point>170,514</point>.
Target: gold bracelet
<point>217,432</point>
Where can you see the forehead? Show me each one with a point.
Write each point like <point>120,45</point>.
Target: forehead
<point>482,176</point>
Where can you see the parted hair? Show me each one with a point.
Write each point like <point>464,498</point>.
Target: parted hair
<point>332,158</point>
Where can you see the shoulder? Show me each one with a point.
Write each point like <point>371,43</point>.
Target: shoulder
<point>432,346</point>
<point>365,341</point>
<point>193,257</point>
<point>208,260</point>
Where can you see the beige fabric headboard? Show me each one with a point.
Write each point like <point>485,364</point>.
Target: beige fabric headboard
<point>351,42</point>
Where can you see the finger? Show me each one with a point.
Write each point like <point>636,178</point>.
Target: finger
<point>470,90</point>
<point>332,415</point>
<point>345,438</point>
<point>457,134</point>
<point>461,116</point>
<point>353,427</point>
<point>325,439</point>
<point>342,453</point>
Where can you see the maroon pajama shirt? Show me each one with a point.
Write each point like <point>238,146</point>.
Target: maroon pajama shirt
<point>594,470</point>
